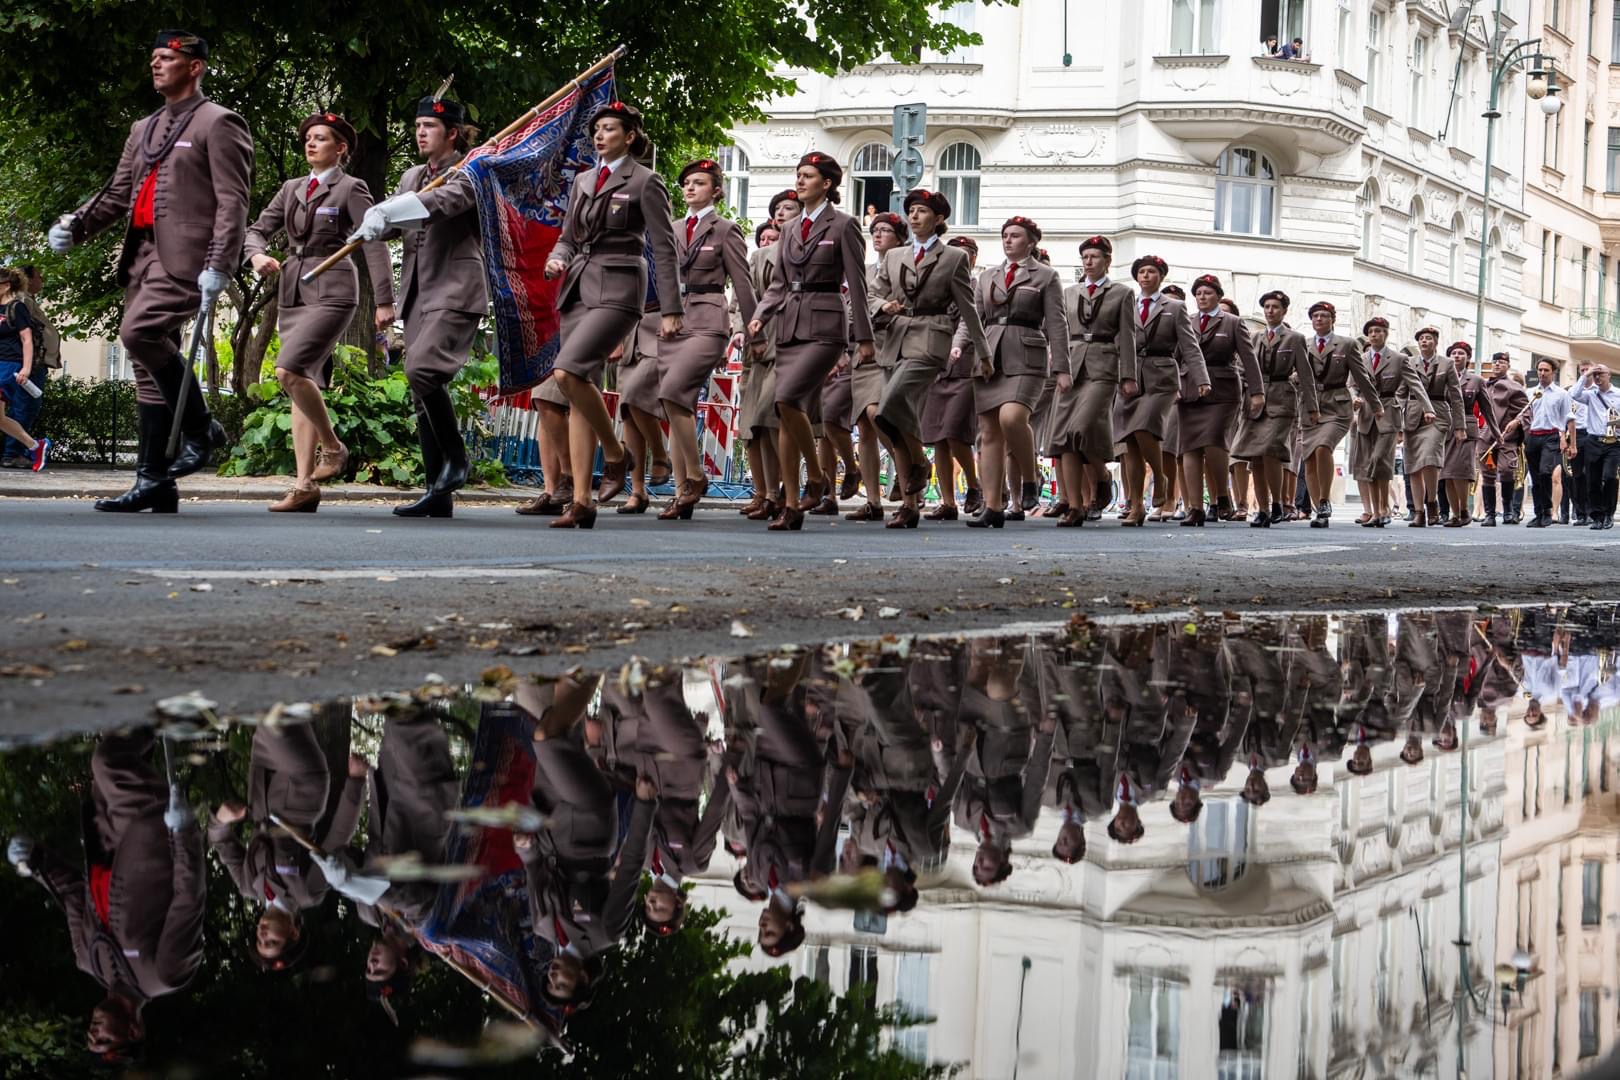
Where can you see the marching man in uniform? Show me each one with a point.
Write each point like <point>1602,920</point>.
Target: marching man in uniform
<point>442,292</point>
<point>183,182</point>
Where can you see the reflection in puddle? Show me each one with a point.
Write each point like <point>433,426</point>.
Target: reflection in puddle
<point>1202,846</point>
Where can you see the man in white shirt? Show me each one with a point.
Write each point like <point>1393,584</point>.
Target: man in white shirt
<point>1551,437</point>
<point>1599,448</point>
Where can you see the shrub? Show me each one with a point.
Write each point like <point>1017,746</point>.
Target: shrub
<point>82,416</point>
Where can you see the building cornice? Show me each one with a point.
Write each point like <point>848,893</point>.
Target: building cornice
<point>1192,60</point>
<point>1202,116</point>
<point>855,119</point>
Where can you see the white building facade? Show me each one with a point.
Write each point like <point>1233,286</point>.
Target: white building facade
<point>1157,124</point>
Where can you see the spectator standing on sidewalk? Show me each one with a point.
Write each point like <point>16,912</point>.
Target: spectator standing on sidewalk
<point>1551,436</point>
<point>17,364</point>
<point>47,355</point>
<point>1599,443</point>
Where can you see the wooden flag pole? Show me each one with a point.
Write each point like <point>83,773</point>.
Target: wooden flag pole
<point>574,84</point>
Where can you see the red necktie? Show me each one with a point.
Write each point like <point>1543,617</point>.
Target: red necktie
<point>1321,344</point>
<point>602,177</point>
<point>1203,322</point>
<point>691,227</point>
<point>1147,302</point>
<point>1271,335</point>
<point>657,864</point>
<point>1377,359</point>
<point>804,230</point>
<point>562,936</point>
<point>916,260</point>
<point>268,895</point>
<point>1091,288</point>
<point>309,192</point>
<point>1012,269</point>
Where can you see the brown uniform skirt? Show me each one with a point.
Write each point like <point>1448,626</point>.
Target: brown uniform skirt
<point>905,399</point>
<point>1331,431</point>
<point>589,335</point>
<point>1426,447</point>
<point>757,410</point>
<point>549,392</point>
<point>1082,422</point>
<point>869,381</point>
<point>638,371</point>
<point>1204,424</point>
<point>1000,389</point>
<point>1271,436</point>
<point>948,414</point>
<point>1373,454</point>
<point>685,363</point>
<point>838,402</point>
<point>309,332</point>
<point>801,369</point>
<point>1149,412</point>
<point>1462,459</point>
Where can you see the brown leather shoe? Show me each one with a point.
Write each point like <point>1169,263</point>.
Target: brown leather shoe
<point>614,475</point>
<point>577,516</point>
<point>917,480</point>
<point>674,511</point>
<point>827,507</point>
<point>692,492</point>
<point>1072,519</point>
<point>867,512</point>
<point>904,517</point>
<point>1419,519</point>
<point>297,501</point>
<point>543,505</point>
<point>635,504</point>
<point>813,492</point>
<point>851,484</point>
<point>973,502</point>
<point>766,511</point>
<point>790,520</point>
<point>662,472</point>
<point>942,512</point>
<point>330,464</point>
<point>748,508</point>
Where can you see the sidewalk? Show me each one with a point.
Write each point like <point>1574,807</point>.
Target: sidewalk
<point>95,482</point>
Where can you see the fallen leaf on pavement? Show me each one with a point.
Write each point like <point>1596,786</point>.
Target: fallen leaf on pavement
<point>383,650</point>
<point>26,671</point>
<point>739,629</point>
<point>75,645</point>
<point>202,586</point>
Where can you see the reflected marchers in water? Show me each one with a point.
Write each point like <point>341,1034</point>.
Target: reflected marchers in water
<point>1241,833</point>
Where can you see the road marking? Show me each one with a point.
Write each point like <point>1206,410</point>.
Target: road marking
<point>1285,553</point>
<point>329,574</point>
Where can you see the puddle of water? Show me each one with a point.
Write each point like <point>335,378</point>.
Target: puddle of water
<point>1206,845</point>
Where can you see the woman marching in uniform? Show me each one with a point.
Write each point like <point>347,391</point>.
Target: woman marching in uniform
<point>1205,419</point>
<point>756,418</point>
<point>1378,421</point>
<point>1167,353</point>
<point>916,289</point>
<point>948,421</point>
<point>1020,304</point>
<point>1428,434</point>
<point>711,252</point>
<point>868,380</point>
<point>822,251</point>
<point>317,211</point>
<point>1286,388</point>
<point>600,258</point>
<point>1461,468</point>
<point>1101,363</point>
<point>1335,361</point>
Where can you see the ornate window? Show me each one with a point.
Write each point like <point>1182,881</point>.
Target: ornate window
<point>1245,192</point>
<point>957,178</point>
<point>734,163</point>
<point>869,169</point>
<point>1367,203</point>
<point>1193,26</point>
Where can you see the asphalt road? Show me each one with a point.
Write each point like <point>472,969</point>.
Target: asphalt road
<point>104,615</point>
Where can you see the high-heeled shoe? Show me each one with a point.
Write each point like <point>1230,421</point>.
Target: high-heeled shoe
<point>1072,519</point>
<point>751,505</point>
<point>942,512</point>
<point>635,504</point>
<point>1029,496</point>
<point>813,491</point>
<point>662,472</point>
<point>577,516</point>
<point>1195,517</point>
<point>615,476</point>
<point>973,501</point>
<point>676,511</point>
<point>917,480</point>
<point>298,501</point>
<point>904,517</point>
<point>1134,518</point>
<point>1225,511</point>
<point>851,484</point>
<point>790,520</point>
<point>987,519</point>
<point>867,512</point>
<point>765,511</point>
<point>827,507</point>
<point>330,464</point>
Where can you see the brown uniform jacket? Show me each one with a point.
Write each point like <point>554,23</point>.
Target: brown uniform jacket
<point>1024,325</point>
<point>1279,357</point>
<point>443,262</point>
<point>761,272</point>
<point>1228,355</point>
<point>199,210</point>
<point>317,225</point>
<point>603,241</point>
<point>590,901</point>
<point>1167,349</point>
<point>926,325</point>
<point>1399,388</point>
<point>805,295</point>
<point>1475,397</point>
<point>717,254</point>
<point>1102,333</point>
<point>1335,368</point>
<point>1508,400</point>
<point>1442,385</point>
<point>271,864</point>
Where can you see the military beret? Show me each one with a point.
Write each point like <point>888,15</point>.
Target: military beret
<point>1208,281</point>
<point>1277,295</point>
<point>1323,305</point>
<point>1500,356</point>
<point>1149,260</point>
<point>1175,291</point>
<point>443,109</point>
<point>1024,223</point>
<point>182,41</point>
<point>1431,331</point>
<point>759,231</point>
<point>628,115</point>
<point>823,164</point>
<point>1463,345</point>
<point>340,127</point>
<point>706,166</point>
<point>931,199</point>
<point>781,197</point>
<point>1043,255</point>
<point>1101,243</point>
<point>893,221</point>
<point>1376,320</point>
<point>966,242</point>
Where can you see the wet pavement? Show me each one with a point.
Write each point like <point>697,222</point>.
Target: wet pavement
<point>1209,845</point>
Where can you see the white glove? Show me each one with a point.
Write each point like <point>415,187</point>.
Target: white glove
<point>60,237</point>
<point>179,814</point>
<point>402,211</point>
<point>19,851</point>
<point>361,888</point>
<point>372,226</point>
<point>334,870</point>
<point>212,283</point>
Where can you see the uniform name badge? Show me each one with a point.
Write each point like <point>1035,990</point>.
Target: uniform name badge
<point>327,211</point>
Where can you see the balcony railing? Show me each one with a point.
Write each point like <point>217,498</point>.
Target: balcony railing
<point>1592,323</point>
